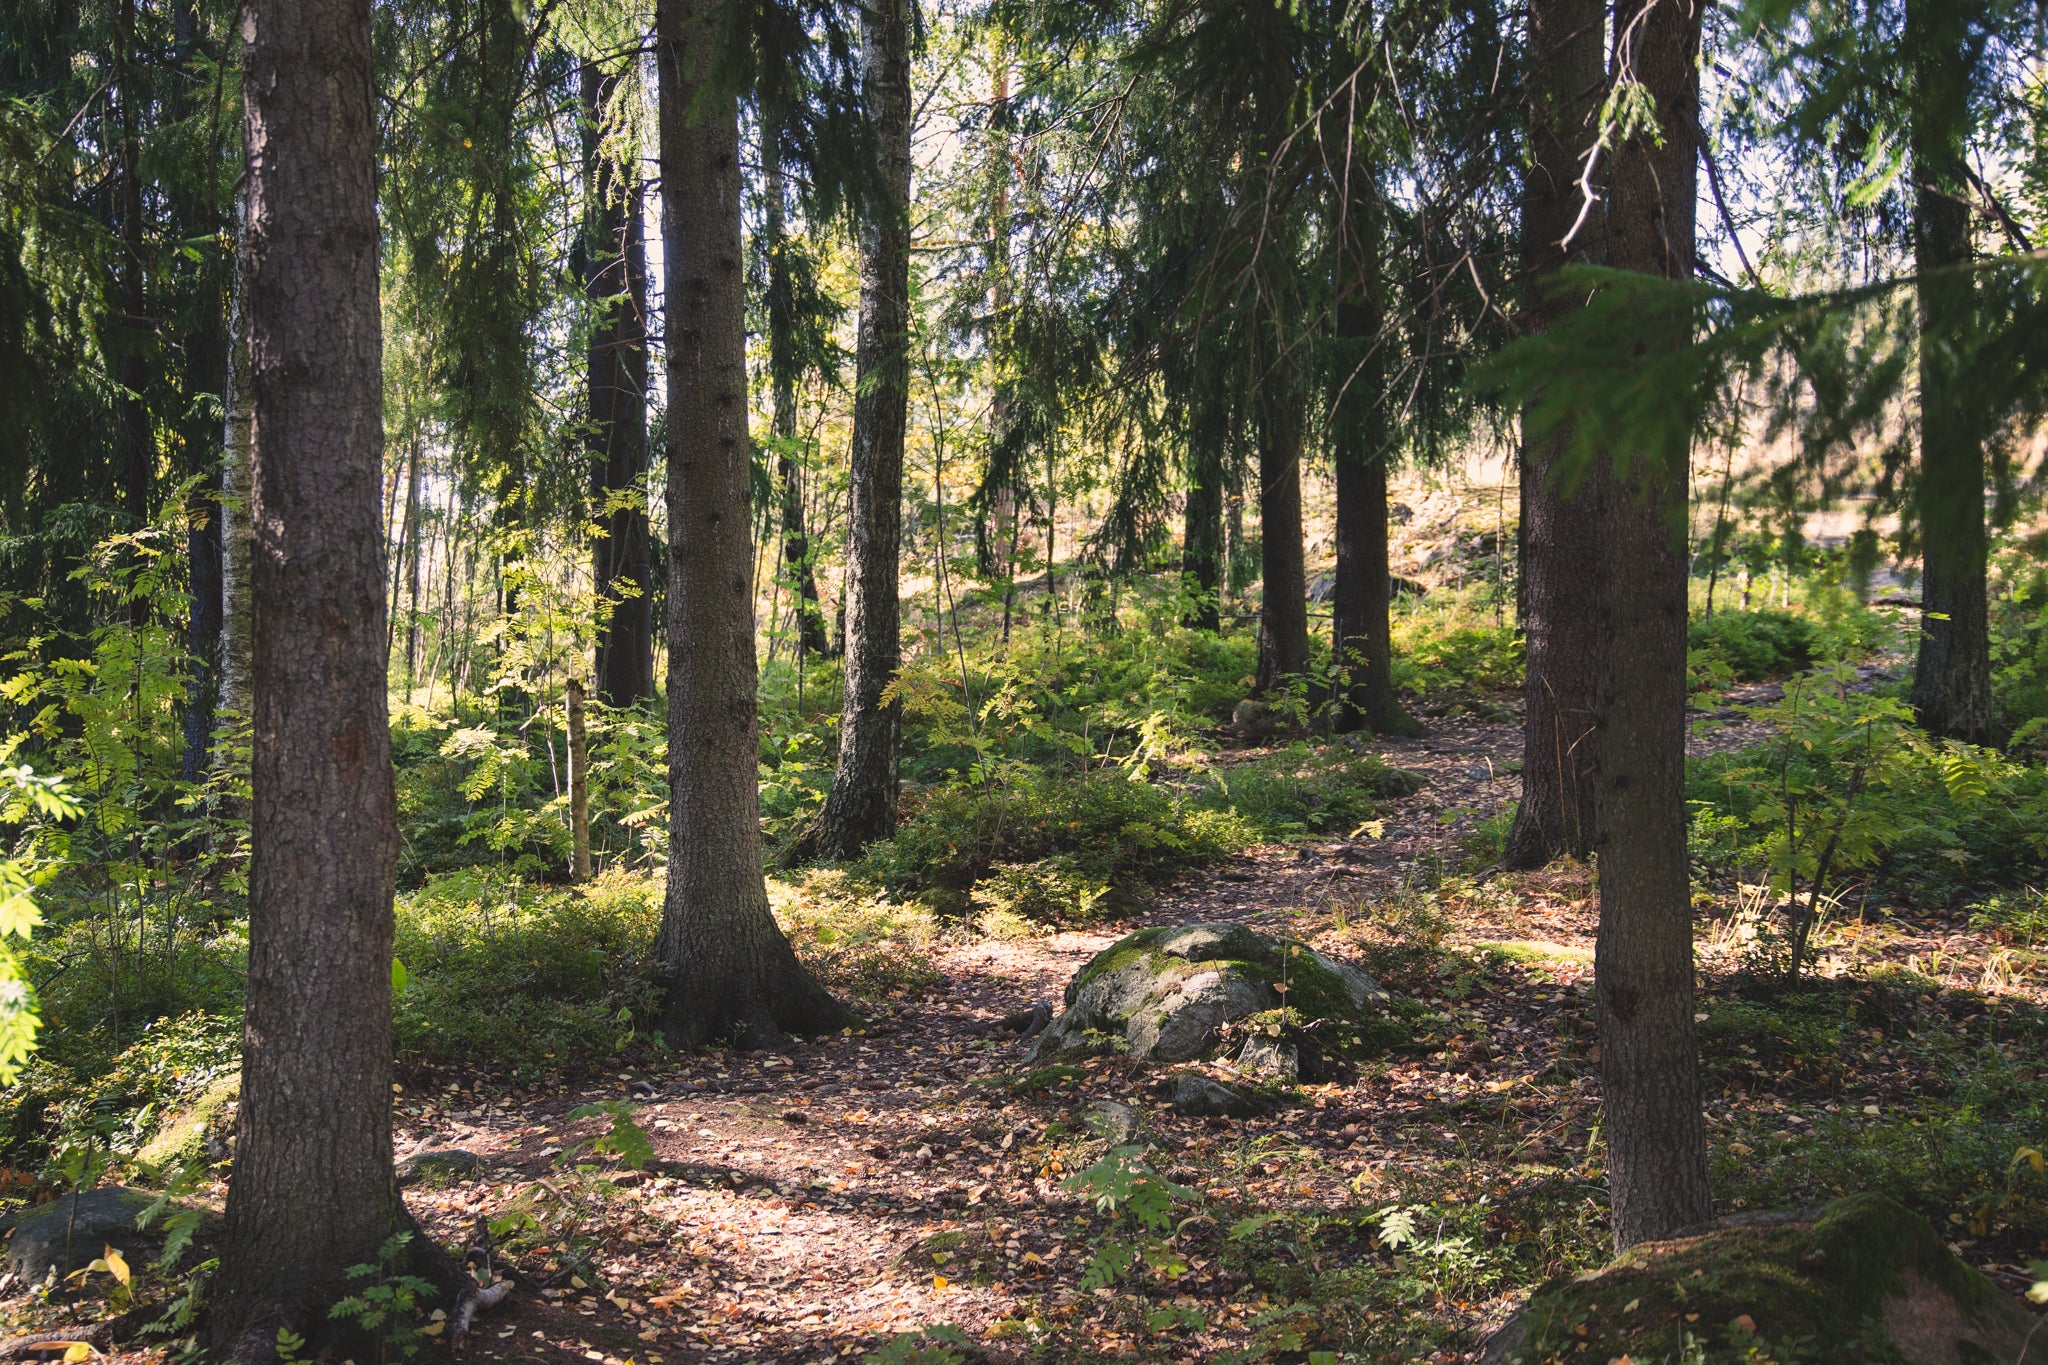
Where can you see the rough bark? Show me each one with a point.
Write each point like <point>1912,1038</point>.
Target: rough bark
<point>784,366</point>
<point>202,626</point>
<point>312,1191</point>
<point>1560,562</point>
<point>615,285</point>
<point>1952,676</point>
<point>1361,626</point>
<point>1201,559</point>
<point>1283,610</point>
<point>131,367</point>
<point>861,807</point>
<point>728,971</point>
<point>579,785</point>
<point>1643,964</point>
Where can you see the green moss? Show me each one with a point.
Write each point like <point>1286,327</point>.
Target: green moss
<point>183,1139</point>
<point>1044,1078</point>
<point>1794,1290</point>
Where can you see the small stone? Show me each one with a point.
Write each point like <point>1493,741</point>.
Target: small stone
<point>1200,1097</point>
<point>445,1163</point>
<point>1115,1123</point>
<point>1270,1057</point>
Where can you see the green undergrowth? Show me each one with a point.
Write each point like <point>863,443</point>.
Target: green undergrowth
<point>1109,829</point>
<point>1790,1291</point>
<point>1305,790</point>
<point>523,976</point>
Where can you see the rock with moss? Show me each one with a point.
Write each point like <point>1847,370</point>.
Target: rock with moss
<point>1864,1280</point>
<point>1162,995</point>
<point>196,1135</point>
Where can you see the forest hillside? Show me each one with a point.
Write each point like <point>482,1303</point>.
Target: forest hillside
<point>945,681</point>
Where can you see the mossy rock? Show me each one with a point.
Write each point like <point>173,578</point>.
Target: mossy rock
<point>184,1138</point>
<point>1161,994</point>
<point>1865,1281</point>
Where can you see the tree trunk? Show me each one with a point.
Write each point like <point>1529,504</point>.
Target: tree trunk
<point>1561,564</point>
<point>862,805</point>
<point>1201,558</point>
<point>1283,611</point>
<point>579,786</point>
<point>615,284</point>
<point>131,370</point>
<point>203,625</point>
<point>1643,963</point>
<point>727,969</point>
<point>1952,676</point>
<point>1361,628</point>
<point>785,364</point>
<point>312,1191</point>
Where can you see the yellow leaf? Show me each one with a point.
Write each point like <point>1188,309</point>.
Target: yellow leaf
<point>578,1282</point>
<point>116,1266</point>
<point>939,1283</point>
<point>433,1329</point>
<point>76,1351</point>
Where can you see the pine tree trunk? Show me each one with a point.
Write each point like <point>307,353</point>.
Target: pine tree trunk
<point>1201,560</point>
<point>312,1191</point>
<point>1283,611</point>
<point>579,785</point>
<point>784,366</point>
<point>615,286</point>
<point>131,369</point>
<point>1361,626</point>
<point>861,807</point>
<point>1560,566</point>
<point>1643,960</point>
<point>1952,676</point>
<point>203,625</point>
<point>727,969</point>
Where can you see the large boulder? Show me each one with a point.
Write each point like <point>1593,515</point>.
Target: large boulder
<point>1863,1280</point>
<point>89,1223</point>
<point>1165,992</point>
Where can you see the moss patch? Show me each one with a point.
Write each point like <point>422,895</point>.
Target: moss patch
<point>1807,1290</point>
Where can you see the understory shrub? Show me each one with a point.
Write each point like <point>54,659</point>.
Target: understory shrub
<point>1113,830</point>
<point>1305,790</point>
<point>501,972</point>
<point>1752,645</point>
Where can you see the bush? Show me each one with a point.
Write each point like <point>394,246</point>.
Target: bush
<point>504,973</point>
<point>1451,642</point>
<point>1113,830</point>
<point>853,940</point>
<point>1752,645</point>
<point>1303,790</point>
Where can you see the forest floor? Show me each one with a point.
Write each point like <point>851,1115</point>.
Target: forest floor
<point>809,1206</point>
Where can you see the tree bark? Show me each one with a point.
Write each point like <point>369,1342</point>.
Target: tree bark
<point>615,285</point>
<point>579,785</point>
<point>1561,564</point>
<point>1952,675</point>
<point>727,970</point>
<point>131,369</point>
<point>312,1191</point>
<point>1201,559</point>
<point>861,807</point>
<point>1643,963</point>
<point>203,625</point>
<point>1283,610</point>
<point>1361,626</point>
<point>784,366</point>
